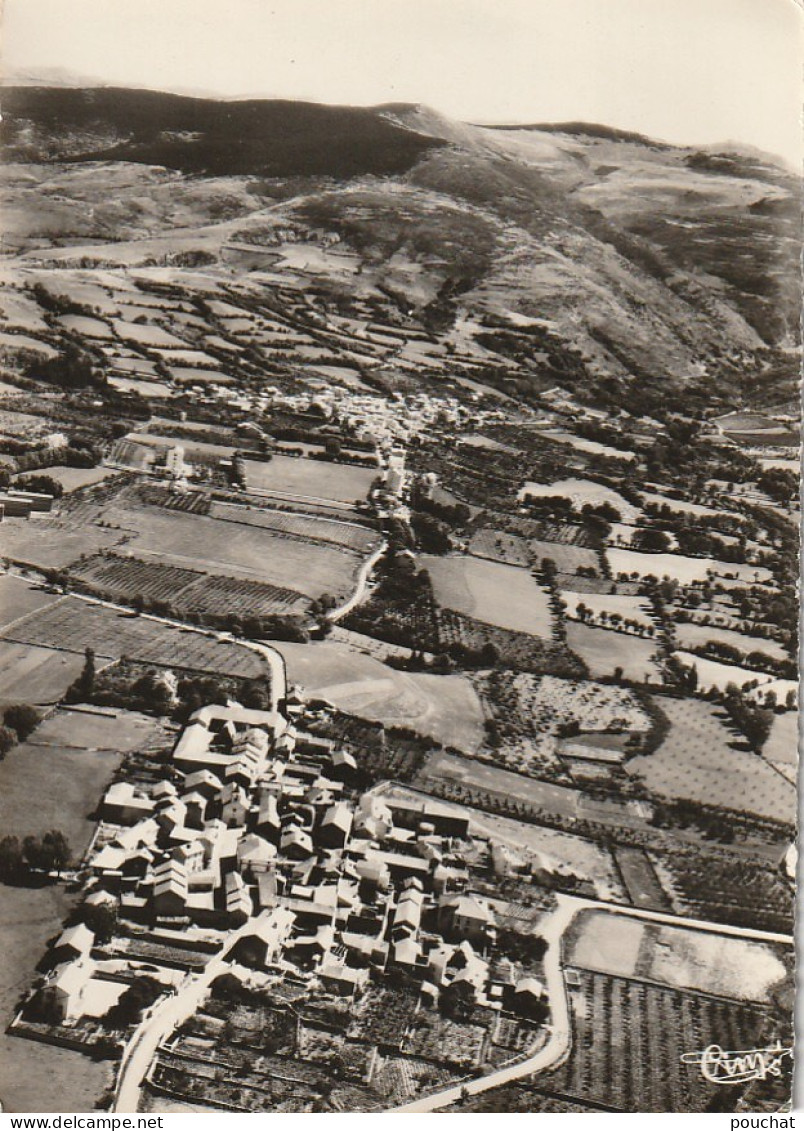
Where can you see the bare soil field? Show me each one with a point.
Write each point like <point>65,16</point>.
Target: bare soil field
<point>339,481</point>
<point>73,478</point>
<point>733,967</point>
<point>19,596</point>
<point>682,568</point>
<point>603,651</point>
<point>499,546</point>
<point>502,595</point>
<point>49,543</point>
<point>74,625</point>
<point>444,707</point>
<point>38,676</point>
<point>703,759</point>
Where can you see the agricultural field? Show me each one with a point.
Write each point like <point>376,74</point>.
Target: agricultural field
<point>615,610</point>
<point>443,707</point>
<point>495,594</point>
<point>19,596</point>
<point>568,557</point>
<point>340,482</point>
<point>235,549</point>
<point>683,569</point>
<point>531,713</point>
<point>52,543</point>
<point>604,651</point>
<point>713,673</point>
<point>688,959</point>
<point>73,625</point>
<point>628,1037</point>
<point>580,492</point>
<point>703,759</point>
<point>697,635</point>
<point>781,747</point>
<point>190,591</point>
<point>499,546</point>
<point>39,676</point>
<point>74,478</point>
<point>349,535</point>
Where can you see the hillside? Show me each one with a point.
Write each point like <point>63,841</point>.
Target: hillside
<point>632,258</point>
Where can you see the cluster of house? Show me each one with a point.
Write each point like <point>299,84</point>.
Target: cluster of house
<point>260,833</point>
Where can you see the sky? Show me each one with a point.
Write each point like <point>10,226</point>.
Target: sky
<point>685,71</point>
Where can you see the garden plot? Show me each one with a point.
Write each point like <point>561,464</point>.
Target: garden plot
<point>612,610</point>
<point>603,652</point>
<point>702,759</point>
<point>502,595</point>
<point>681,568</point>
<point>696,635</point>
<point>580,492</point>
<point>736,968</point>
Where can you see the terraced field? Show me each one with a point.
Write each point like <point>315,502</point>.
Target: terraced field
<point>72,625</point>
<point>185,589</point>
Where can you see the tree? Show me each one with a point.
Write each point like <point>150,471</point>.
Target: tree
<point>22,718</point>
<point>8,738</point>
<point>50,854</point>
<point>86,681</point>
<point>11,859</point>
<point>101,918</point>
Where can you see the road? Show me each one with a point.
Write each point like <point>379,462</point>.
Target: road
<point>552,930</point>
<point>159,1023</point>
<point>360,589</point>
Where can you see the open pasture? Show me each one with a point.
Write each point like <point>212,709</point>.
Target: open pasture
<point>502,595</point>
<point>580,492</point>
<point>603,651</point>
<point>613,609</point>
<point>681,568</point>
<point>73,625</point>
<point>49,543</point>
<point>19,596</point>
<point>444,707</point>
<point>691,635</point>
<point>236,550</point>
<point>703,759</point>
<point>146,335</point>
<point>86,327</point>
<point>37,676</point>
<point>614,943</point>
<point>499,546</point>
<point>342,482</point>
<point>349,535</point>
<point>567,557</point>
<point>712,673</point>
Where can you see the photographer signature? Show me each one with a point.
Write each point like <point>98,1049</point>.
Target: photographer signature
<point>729,1067</point>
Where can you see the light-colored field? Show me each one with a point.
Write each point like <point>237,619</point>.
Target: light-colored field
<point>702,759</point>
<point>506,596</point>
<point>711,673</point>
<point>676,956</point>
<point>593,447</point>
<point>581,492</point>
<point>568,558</point>
<point>315,478</point>
<point>48,543</point>
<point>683,569</point>
<point>35,675</point>
<point>444,707</point>
<point>611,608</point>
<point>694,635</point>
<point>186,376</point>
<point>71,478</point>
<point>603,651</point>
<point>681,504</point>
<point>24,342</point>
<point>783,740</point>
<point>19,596</point>
<point>146,335</point>
<point>89,327</point>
